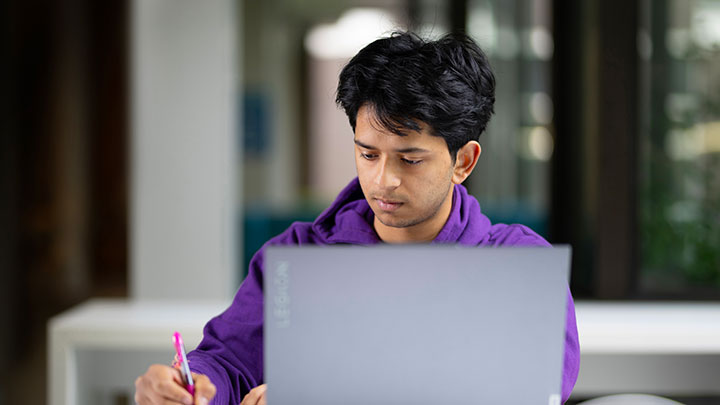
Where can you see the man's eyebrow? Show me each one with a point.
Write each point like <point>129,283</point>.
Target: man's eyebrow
<point>404,150</point>
<point>412,150</point>
<point>362,145</point>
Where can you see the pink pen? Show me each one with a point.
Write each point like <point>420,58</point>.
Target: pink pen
<point>182,363</point>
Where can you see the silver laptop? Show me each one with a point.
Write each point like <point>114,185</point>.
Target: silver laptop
<point>417,324</point>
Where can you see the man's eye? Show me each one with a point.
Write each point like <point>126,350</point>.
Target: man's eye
<point>412,162</point>
<point>368,156</point>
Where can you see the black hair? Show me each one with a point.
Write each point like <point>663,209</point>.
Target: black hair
<point>447,84</point>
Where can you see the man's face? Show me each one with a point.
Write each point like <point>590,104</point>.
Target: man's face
<point>406,180</point>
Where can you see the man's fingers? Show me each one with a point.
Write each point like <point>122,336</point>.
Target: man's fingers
<point>168,402</point>
<point>204,389</point>
<point>171,390</point>
<point>142,399</point>
<point>255,396</point>
<point>167,385</point>
<point>176,375</point>
<point>262,400</point>
<point>161,384</point>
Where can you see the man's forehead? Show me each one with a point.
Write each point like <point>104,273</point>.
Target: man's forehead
<point>412,142</point>
<point>367,115</point>
<point>370,132</point>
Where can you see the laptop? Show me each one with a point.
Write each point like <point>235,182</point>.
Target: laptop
<point>415,324</point>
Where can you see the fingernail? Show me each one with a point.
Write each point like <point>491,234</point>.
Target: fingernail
<point>203,401</point>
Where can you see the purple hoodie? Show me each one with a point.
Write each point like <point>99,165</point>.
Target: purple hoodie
<point>231,352</point>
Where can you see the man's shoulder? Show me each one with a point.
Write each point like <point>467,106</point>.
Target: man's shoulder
<point>513,235</point>
<point>298,233</point>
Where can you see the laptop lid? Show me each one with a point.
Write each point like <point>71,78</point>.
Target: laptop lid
<point>414,324</point>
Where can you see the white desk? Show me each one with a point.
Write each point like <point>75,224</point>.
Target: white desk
<point>661,348</point>
<point>101,346</point>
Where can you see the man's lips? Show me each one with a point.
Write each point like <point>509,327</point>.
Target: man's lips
<point>388,205</point>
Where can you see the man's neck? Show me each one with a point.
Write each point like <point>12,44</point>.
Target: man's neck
<point>425,231</point>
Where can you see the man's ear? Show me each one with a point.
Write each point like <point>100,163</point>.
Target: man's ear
<point>465,161</point>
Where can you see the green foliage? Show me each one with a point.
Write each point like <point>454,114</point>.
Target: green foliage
<point>680,198</point>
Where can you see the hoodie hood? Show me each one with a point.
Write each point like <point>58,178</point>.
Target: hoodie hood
<point>349,219</point>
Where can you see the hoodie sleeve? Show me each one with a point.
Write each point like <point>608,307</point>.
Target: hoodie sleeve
<point>520,235</point>
<point>571,363</point>
<point>231,352</point>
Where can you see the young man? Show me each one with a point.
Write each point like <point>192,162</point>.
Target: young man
<point>417,109</point>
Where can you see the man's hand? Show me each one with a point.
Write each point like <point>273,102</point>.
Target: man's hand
<point>163,385</point>
<point>256,396</point>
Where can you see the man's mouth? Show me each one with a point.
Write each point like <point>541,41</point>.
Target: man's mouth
<point>388,205</point>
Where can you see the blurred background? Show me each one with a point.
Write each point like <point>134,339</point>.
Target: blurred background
<point>606,136</point>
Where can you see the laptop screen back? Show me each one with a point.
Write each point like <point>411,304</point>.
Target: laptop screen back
<point>417,324</point>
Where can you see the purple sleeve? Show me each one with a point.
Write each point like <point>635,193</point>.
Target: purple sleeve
<point>231,352</point>
<point>519,235</point>
<point>571,364</point>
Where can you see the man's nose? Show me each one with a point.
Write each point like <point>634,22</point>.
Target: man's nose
<point>387,175</point>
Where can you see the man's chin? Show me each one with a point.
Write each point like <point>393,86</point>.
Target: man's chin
<point>393,221</point>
